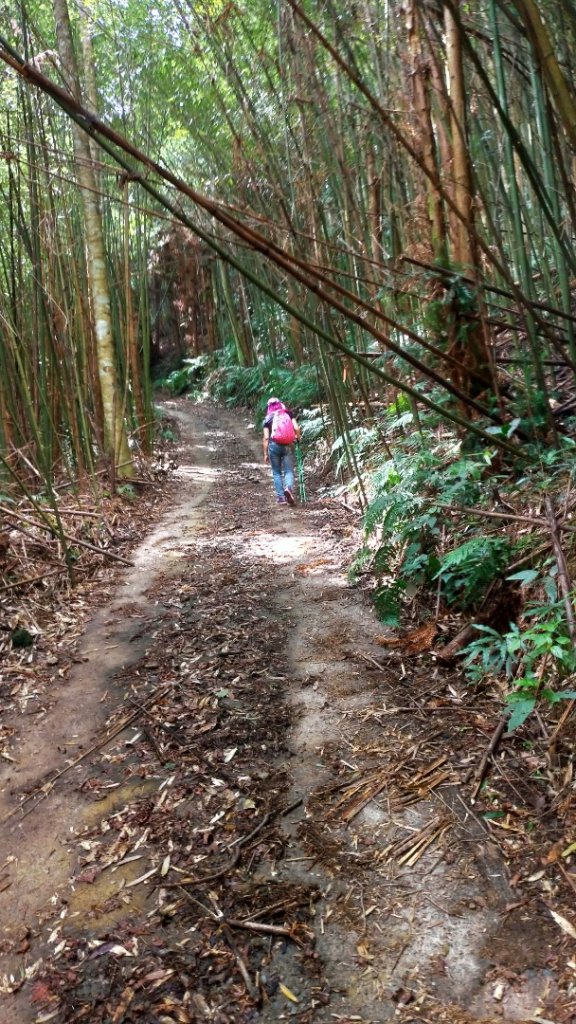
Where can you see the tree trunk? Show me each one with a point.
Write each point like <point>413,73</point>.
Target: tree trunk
<point>421,75</point>
<point>468,341</point>
<point>461,176</point>
<point>115,440</point>
<point>564,98</point>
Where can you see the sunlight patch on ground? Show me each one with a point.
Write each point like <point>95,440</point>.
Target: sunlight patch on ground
<point>284,548</point>
<point>198,473</point>
<point>200,542</point>
<point>215,433</point>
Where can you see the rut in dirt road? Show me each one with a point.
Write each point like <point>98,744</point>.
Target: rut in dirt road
<point>279,832</point>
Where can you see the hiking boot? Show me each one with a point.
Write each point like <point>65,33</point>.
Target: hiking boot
<point>289,496</point>
<point>281,501</point>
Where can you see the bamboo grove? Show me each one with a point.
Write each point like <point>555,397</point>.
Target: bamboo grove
<point>384,192</point>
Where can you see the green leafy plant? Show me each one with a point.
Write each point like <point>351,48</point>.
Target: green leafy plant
<point>127,492</point>
<point>252,386</point>
<point>468,569</point>
<point>404,522</point>
<point>524,698</point>
<point>387,602</point>
<point>360,438</point>
<point>313,424</point>
<point>168,435</point>
<point>361,563</point>
<point>527,656</point>
<point>236,385</point>
<point>188,377</point>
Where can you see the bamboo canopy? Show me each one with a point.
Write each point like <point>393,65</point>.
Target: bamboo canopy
<point>376,190</point>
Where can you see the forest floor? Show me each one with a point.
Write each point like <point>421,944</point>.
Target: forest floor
<point>240,802</point>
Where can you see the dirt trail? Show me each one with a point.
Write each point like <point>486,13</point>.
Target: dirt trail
<point>365,825</point>
<point>36,844</point>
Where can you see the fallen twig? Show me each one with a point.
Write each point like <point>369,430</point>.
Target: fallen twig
<point>563,574</point>
<point>351,812</point>
<point>470,510</point>
<point>563,718</point>
<point>246,839</point>
<point>288,902</point>
<point>75,541</point>
<point>409,850</point>
<point>569,878</point>
<point>45,789</point>
<point>160,754</point>
<point>371,661</point>
<point>205,878</point>
<point>238,843</point>
<point>29,579</point>
<point>491,749</point>
<point>449,913</point>
<point>527,558</point>
<point>251,988</point>
<point>224,925</point>
<point>266,929</point>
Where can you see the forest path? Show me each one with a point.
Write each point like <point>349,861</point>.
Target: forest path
<point>278,774</point>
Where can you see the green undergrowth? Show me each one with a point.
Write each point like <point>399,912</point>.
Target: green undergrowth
<point>440,537</point>
<point>251,387</point>
<point>188,378</point>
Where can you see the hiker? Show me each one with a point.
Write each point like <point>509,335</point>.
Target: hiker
<point>281,430</point>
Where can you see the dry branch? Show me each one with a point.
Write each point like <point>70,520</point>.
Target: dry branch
<point>563,574</point>
<point>42,791</point>
<point>491,749</point>
<point>74,541</point>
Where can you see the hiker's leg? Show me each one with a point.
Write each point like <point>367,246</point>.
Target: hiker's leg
<point>289,468</point>
<point>275,456</point>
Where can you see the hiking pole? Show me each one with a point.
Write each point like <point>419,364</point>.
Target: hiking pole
<point>300,465</point>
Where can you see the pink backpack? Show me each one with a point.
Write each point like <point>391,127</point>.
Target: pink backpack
<point>282,428</point>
